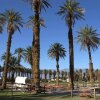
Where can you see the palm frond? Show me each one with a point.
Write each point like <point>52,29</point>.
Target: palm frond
<point>56,50</point>
<point>87,36</point>
<point>11,19</point>
<point>71,11</point>
<point>32,22</point>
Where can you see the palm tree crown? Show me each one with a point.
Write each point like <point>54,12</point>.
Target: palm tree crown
<point>19,51</point>
<point>3,57</point>
<point>87,36</point>
<point>56,50</point>
<point>12,19</point>
<point>28,55</point>
<point>38,4</point>
<point>71,11</point>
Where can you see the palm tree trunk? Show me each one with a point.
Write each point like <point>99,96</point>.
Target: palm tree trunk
<point>71,56</point>
<point>57,66</point>
<point>36,52</point>
<point>6,61</point>
<point>45,75</point>
<point>19,58</point>
<point>90,64</point>
<point>12,79</point>
<point>50,77</point>
<point>32,65</point>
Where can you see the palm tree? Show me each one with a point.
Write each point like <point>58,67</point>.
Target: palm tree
<point>3,58</point>
<point>80,75</point>
<point>96,74</point>
<point>54,74</point>
<point>12,67</point>
<point>13,22</point>
<point>57,51</point>
<point>89,39</point>
<point>76,76</point>
<point>19,51</point>
<point>62,74</point>
<point>13,62</point>
<point>28,55</point>
<point>87,75</point>
<point>45,74</point>
<point>71,11</point>
<point>65,75</point>
<point>50,74</point>
<point>18,70</point>
<point>37,6</point>
<point>31,23</point>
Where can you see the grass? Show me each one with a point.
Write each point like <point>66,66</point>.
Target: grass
<point>7,95</point>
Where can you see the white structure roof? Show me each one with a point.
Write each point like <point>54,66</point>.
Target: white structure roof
<point>20,80</point>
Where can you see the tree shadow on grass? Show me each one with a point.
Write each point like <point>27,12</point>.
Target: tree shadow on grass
<point>41,96</point>
<point>20,98</point>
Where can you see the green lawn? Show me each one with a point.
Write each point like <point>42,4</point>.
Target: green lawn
<point>4,95</point>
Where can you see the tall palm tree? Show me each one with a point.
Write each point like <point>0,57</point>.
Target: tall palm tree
<point>57,51</point>
<point>89,39</point>
<point>50,74</point>
<point>37,6</point>
<point>30,23</point>
<point>71,11</point>
<point>13,22</point>
<point>19,51</point>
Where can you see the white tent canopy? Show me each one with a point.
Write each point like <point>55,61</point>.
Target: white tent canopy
<point>20,80</point>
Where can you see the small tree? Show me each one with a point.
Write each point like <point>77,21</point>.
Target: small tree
<point>57,51</point>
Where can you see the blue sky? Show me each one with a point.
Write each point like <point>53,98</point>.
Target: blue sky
<point>56,31</point>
